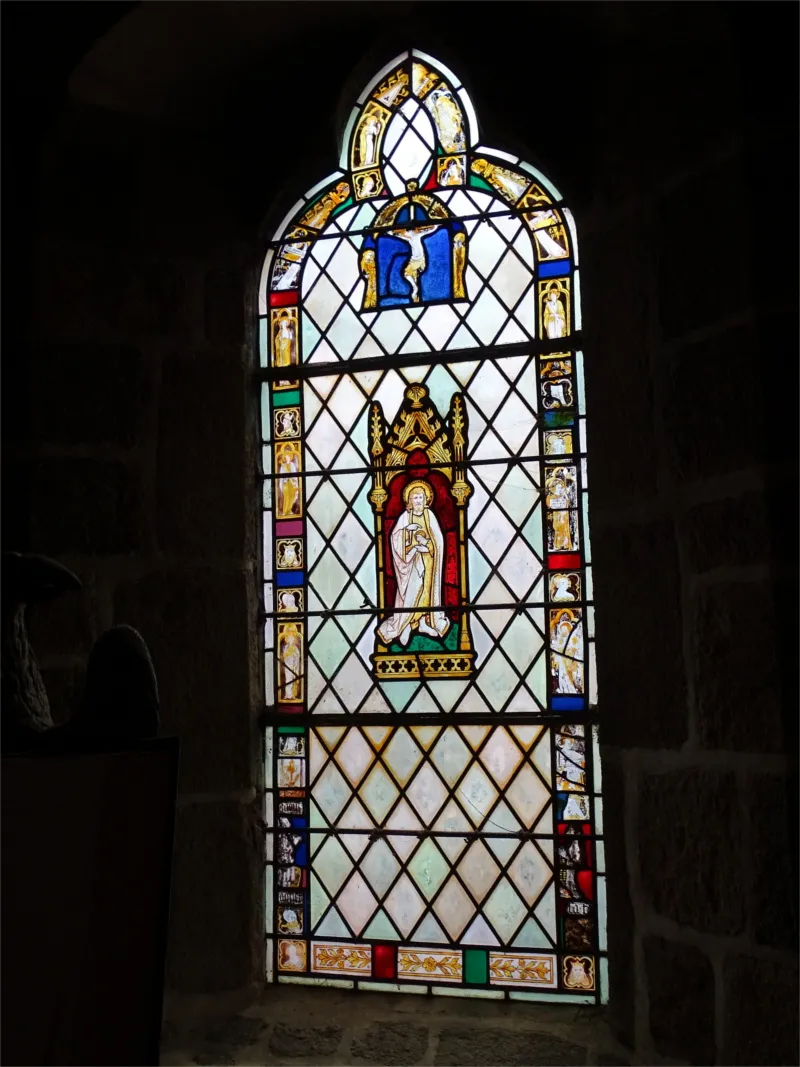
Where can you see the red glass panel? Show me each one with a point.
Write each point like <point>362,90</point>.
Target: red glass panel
<point>384,961</point>
<point>282,300</point>
<point>557,561</point>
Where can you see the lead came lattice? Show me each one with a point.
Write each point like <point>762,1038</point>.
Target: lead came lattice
<point>433,790</point>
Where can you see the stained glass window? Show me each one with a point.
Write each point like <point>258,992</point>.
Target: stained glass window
<point>433,780</point>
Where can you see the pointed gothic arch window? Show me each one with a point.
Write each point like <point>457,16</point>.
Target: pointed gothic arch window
<point>433,779</point>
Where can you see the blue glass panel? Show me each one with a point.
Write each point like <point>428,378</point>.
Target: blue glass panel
<point>567,703</point>
<point>554,267</point>
<point>290,578</point>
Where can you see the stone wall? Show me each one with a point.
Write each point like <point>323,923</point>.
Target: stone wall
<point>136,466</point>
<point>130,452</point>
<point>692,464</point>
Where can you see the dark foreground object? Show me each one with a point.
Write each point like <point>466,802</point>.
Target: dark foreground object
<point>87,842</point>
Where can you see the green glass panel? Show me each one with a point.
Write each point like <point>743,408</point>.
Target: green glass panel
<point>310,335</point>
<point>530,936</point>
<point>479,569</point>
<point>447,693</point>
<point>332,865</point>
<point>363,508</point>
<point>327,508</point>
<point>402,756</point>
<point>378,793</point>
<point>329,647</point>
<point>521,641</point>
<point>399,693</point>
<point>316,820</point>
<point>367,577</point>
<point>328,578</point>
<point>286,398</point>
<point>537,679</point>
<point>428,868</point>
<point>544,998</point>
<point>476,966</point>
<point>351,600</point>
<point>478,183</point>
<point>505,910</point>
<point>331,792</point>
<point>381,929</point>
<point>420,643</point>
<point>319,901</point>
<point>497,680</point>
<point>532,532</point>
<point>451,756</point>
<point>379,867</point>
<point>333,925</point>
<point>430,932</point>
<point>517,495</point>
<point>441,387</point>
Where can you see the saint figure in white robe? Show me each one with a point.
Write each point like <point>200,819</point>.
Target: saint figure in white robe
<point>554,317</point>
<point>417,547</point>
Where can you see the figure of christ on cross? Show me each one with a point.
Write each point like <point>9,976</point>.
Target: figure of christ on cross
<point>417,261</point>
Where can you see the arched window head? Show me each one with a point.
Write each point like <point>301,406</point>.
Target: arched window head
<point>433,778</point>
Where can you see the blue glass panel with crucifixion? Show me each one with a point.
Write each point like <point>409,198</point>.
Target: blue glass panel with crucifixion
<point>420,260</point>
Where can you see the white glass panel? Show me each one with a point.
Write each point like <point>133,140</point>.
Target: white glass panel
<point>323,302</point>
<point>391,328</point>
<point>408,145</point>
<point>438,323</point>
<point>329,983</point>
<point>269,883</point>
<point>496,152</point>
<point>290,214</point>
<point>388,987</point>
<point>572,234</point>
<point>592,675</point>
<point>465,991</point>
<point>486,246</point>
<point>510,280</point>
<point>348,132</point>
<point>576,299</point>
<point>388,69</point>
<point>343,266</point>
<point>262,283</point>
<point>263,343</point>
<point>544,182</point>
<point>587,539</point>
<point>334,177</point>
<point>471,117</point>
